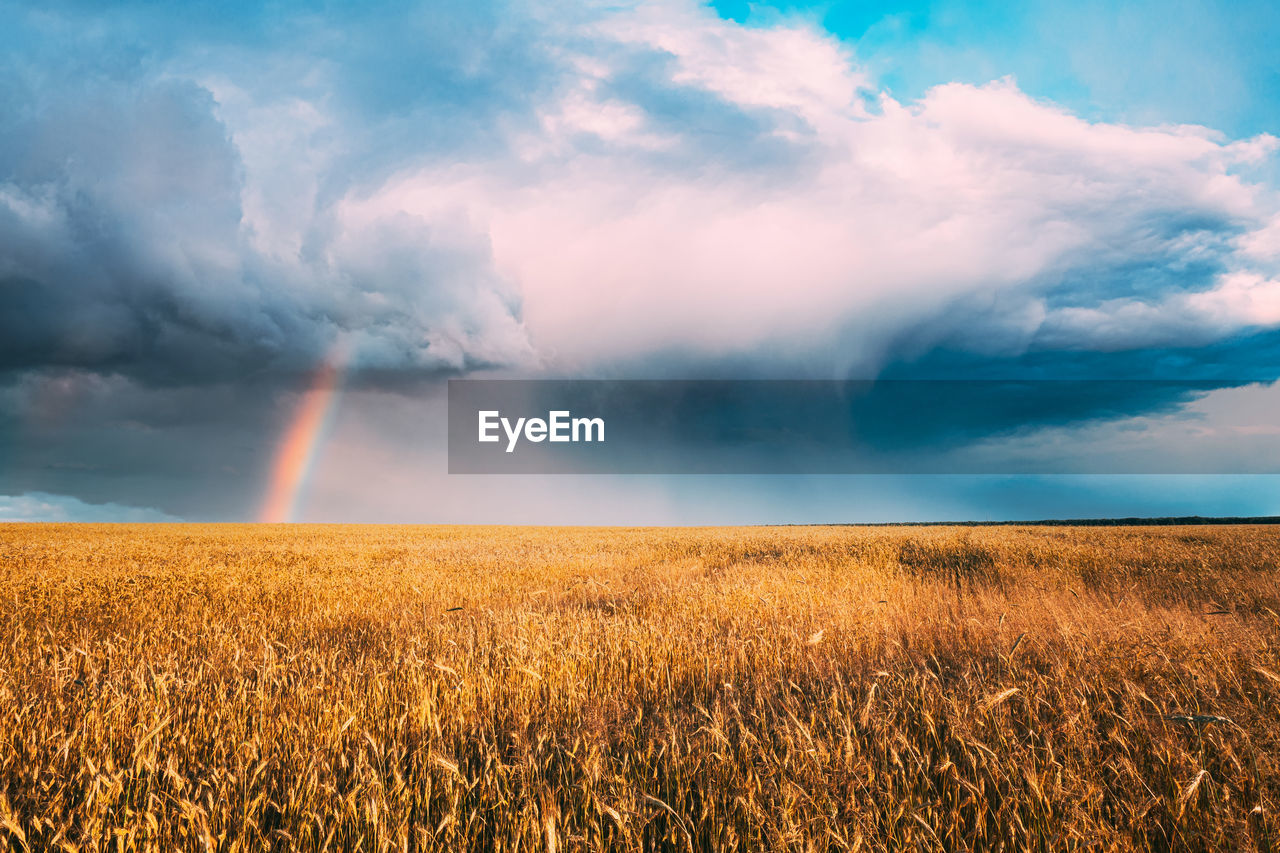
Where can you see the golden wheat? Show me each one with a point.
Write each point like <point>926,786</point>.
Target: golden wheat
<point>389,688</point>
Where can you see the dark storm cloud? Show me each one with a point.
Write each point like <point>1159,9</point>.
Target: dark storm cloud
<point>202,452</point>
<point>822,427</point>
<point>125,246</point>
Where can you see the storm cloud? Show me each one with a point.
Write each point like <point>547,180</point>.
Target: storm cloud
<point>196,210</point>
<point>133,242</point>
<point>651,184</point>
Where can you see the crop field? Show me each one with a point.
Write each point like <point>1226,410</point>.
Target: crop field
<point>223,688</point>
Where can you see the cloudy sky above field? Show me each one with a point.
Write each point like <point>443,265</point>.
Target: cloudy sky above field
<point>198,209</point>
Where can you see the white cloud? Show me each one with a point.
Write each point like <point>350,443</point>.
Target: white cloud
<point>792,68</point>
<point>869,225</point>
<point>1237,301</point>
<point>1263,244</point>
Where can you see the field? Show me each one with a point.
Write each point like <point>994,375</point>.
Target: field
<point>382,688</point>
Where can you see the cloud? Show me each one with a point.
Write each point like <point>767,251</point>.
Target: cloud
<point>836,229</point>
<point>659,187</point>
<point>40,506</point>
<point>134,241</point>
<point>1263,245</point>
<point>196,451</point>
<point>1238,300</point>
<point>196,209</point>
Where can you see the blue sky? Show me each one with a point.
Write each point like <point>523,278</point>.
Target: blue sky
<point>1210,63</point>
<point>198,209</point>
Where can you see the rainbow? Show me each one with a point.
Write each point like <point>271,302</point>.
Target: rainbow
<point>302,440</point>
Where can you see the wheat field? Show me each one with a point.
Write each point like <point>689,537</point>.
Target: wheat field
<point>298,687</point>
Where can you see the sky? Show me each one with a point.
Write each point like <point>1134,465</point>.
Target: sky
<point>243,247</point>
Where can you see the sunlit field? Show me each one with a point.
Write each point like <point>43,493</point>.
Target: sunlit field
<point>455,688</point>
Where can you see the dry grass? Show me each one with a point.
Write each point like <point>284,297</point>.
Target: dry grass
<point>248,688</point>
